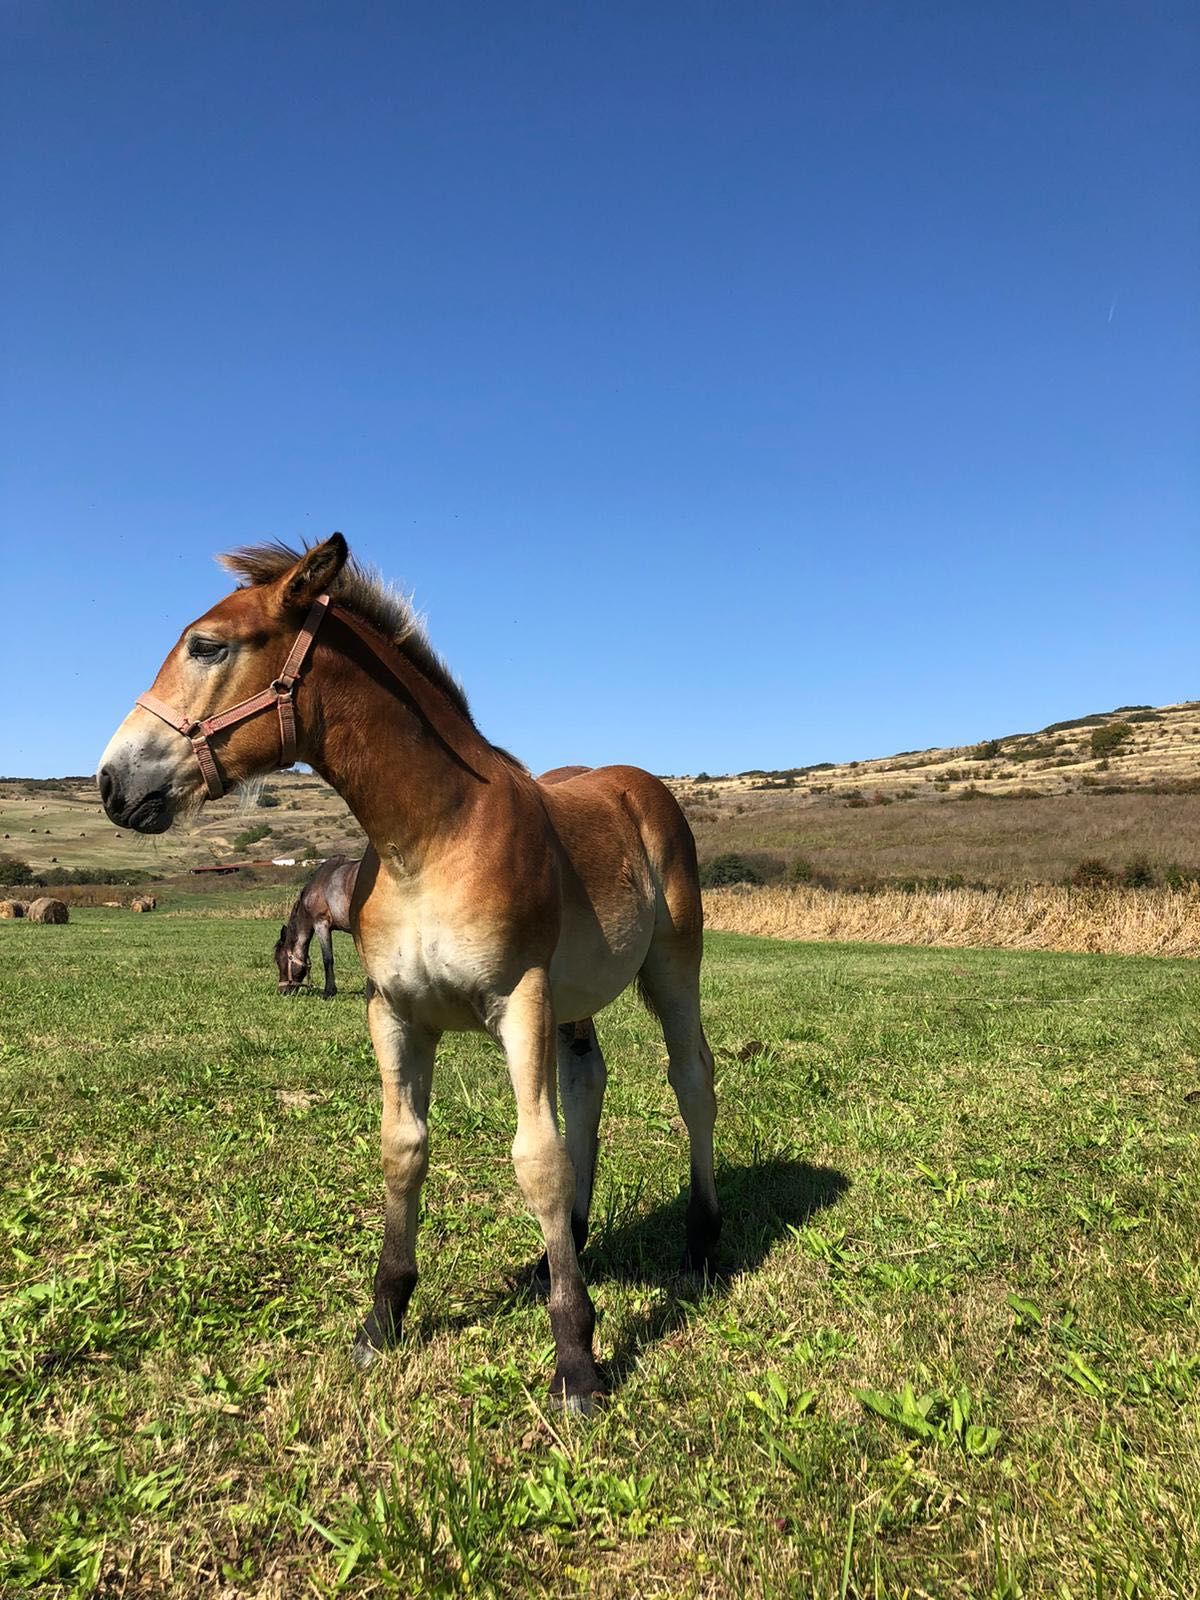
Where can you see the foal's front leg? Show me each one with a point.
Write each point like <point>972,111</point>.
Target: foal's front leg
<point>405,1054</point>
<point>325,940</point>
<point>547,1181</point>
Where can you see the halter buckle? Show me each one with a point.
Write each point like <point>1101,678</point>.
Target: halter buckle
<point>282,689</point>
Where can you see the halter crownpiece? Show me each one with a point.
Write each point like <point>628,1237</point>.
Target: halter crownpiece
<point>280,694</point>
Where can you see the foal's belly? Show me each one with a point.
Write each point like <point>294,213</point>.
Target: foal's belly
<point>595,960</point>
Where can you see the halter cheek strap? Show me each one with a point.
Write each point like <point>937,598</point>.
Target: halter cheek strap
<point>280,694</point>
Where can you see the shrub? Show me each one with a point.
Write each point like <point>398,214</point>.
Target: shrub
<point>251,836</point>
<point>14,871</point>
<point>1091,873</point>
<point>727,869</point>
<point>1108,739</point>
<point>987,751</point>
<point>1139,874</point>
<point>803,870</point>
<point>268,798</point>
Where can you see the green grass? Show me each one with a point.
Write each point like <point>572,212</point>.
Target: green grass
<point>956,1353</point>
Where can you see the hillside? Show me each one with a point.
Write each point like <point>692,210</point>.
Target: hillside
<point>60,822</point>
<point>1118,785</point>
<point>1020,807</point>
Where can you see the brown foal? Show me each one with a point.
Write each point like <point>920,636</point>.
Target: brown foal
<point>489,901</point>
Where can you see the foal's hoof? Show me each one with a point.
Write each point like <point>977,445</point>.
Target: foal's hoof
<point>584,1403</point>
<point>371,1341</point>
<point>581,1405</point>
<point>581,1397</point>
<point>701,1266</point>
<point>363,1355</point>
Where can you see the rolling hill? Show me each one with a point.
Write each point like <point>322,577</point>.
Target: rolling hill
<point>1120,785</point>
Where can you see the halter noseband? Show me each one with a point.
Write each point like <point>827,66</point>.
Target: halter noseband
<point>280,694</point>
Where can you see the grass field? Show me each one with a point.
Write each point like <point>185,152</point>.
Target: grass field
<point>955,1352</point>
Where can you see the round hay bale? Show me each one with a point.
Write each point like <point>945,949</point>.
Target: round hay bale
<point>143,902</point>
<point>47,910</point>
<point>12,908</point>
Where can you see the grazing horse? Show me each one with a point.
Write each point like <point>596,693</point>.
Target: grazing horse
<point>321,906</point>
<point>488,901</point>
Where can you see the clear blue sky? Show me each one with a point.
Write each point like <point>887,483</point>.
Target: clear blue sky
<point>741,385</point>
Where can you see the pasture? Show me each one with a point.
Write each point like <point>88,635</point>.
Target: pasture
<point>955,1352</point>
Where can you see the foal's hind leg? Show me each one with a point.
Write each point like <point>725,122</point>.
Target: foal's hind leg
<point>670,982</point>
<point>582,1076</point>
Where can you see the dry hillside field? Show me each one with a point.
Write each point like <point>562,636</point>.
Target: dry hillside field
<point>963,846</point>
<point>1027,810</point>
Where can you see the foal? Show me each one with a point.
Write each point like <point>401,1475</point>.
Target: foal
<point>487,902</point>
<point>321,906</point>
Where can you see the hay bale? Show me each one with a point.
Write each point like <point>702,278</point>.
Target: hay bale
<point>12,908</point>
<point>143,902</point>
<point>47,910</point>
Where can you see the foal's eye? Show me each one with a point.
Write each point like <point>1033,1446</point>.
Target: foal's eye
<point>208,650</point>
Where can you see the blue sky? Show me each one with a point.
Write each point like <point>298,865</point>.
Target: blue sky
<point>733,385</point>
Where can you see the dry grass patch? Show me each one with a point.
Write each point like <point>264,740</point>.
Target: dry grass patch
<point>1160,922</point>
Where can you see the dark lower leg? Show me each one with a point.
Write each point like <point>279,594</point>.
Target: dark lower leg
<point>691,1075</point>
<point>703,1226</point>
<point>576,1379</point>
<point>325,940</point>
<point>395,1280</point>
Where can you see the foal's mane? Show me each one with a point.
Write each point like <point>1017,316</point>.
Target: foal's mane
<point>368,594</point>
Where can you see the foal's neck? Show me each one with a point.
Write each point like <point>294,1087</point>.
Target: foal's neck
<point>300,926</point>
<point>405,759</point>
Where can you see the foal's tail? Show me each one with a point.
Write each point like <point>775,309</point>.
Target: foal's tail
<point>670,849</point>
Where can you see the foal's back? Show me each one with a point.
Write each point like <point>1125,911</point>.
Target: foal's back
<point>329,891</point>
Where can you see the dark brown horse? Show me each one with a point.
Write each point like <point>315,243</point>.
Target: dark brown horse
<point>488,901</point>
<point>321,906</point>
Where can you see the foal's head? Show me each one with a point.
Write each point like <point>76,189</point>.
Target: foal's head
<point>149,771</point>
<point>291,957</point>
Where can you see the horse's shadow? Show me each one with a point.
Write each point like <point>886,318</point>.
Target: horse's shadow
<point>760,1203</point>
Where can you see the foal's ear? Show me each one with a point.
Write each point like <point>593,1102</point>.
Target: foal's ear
<point>313,573</point>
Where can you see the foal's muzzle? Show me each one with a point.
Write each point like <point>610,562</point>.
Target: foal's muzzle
<point>150,812</point>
